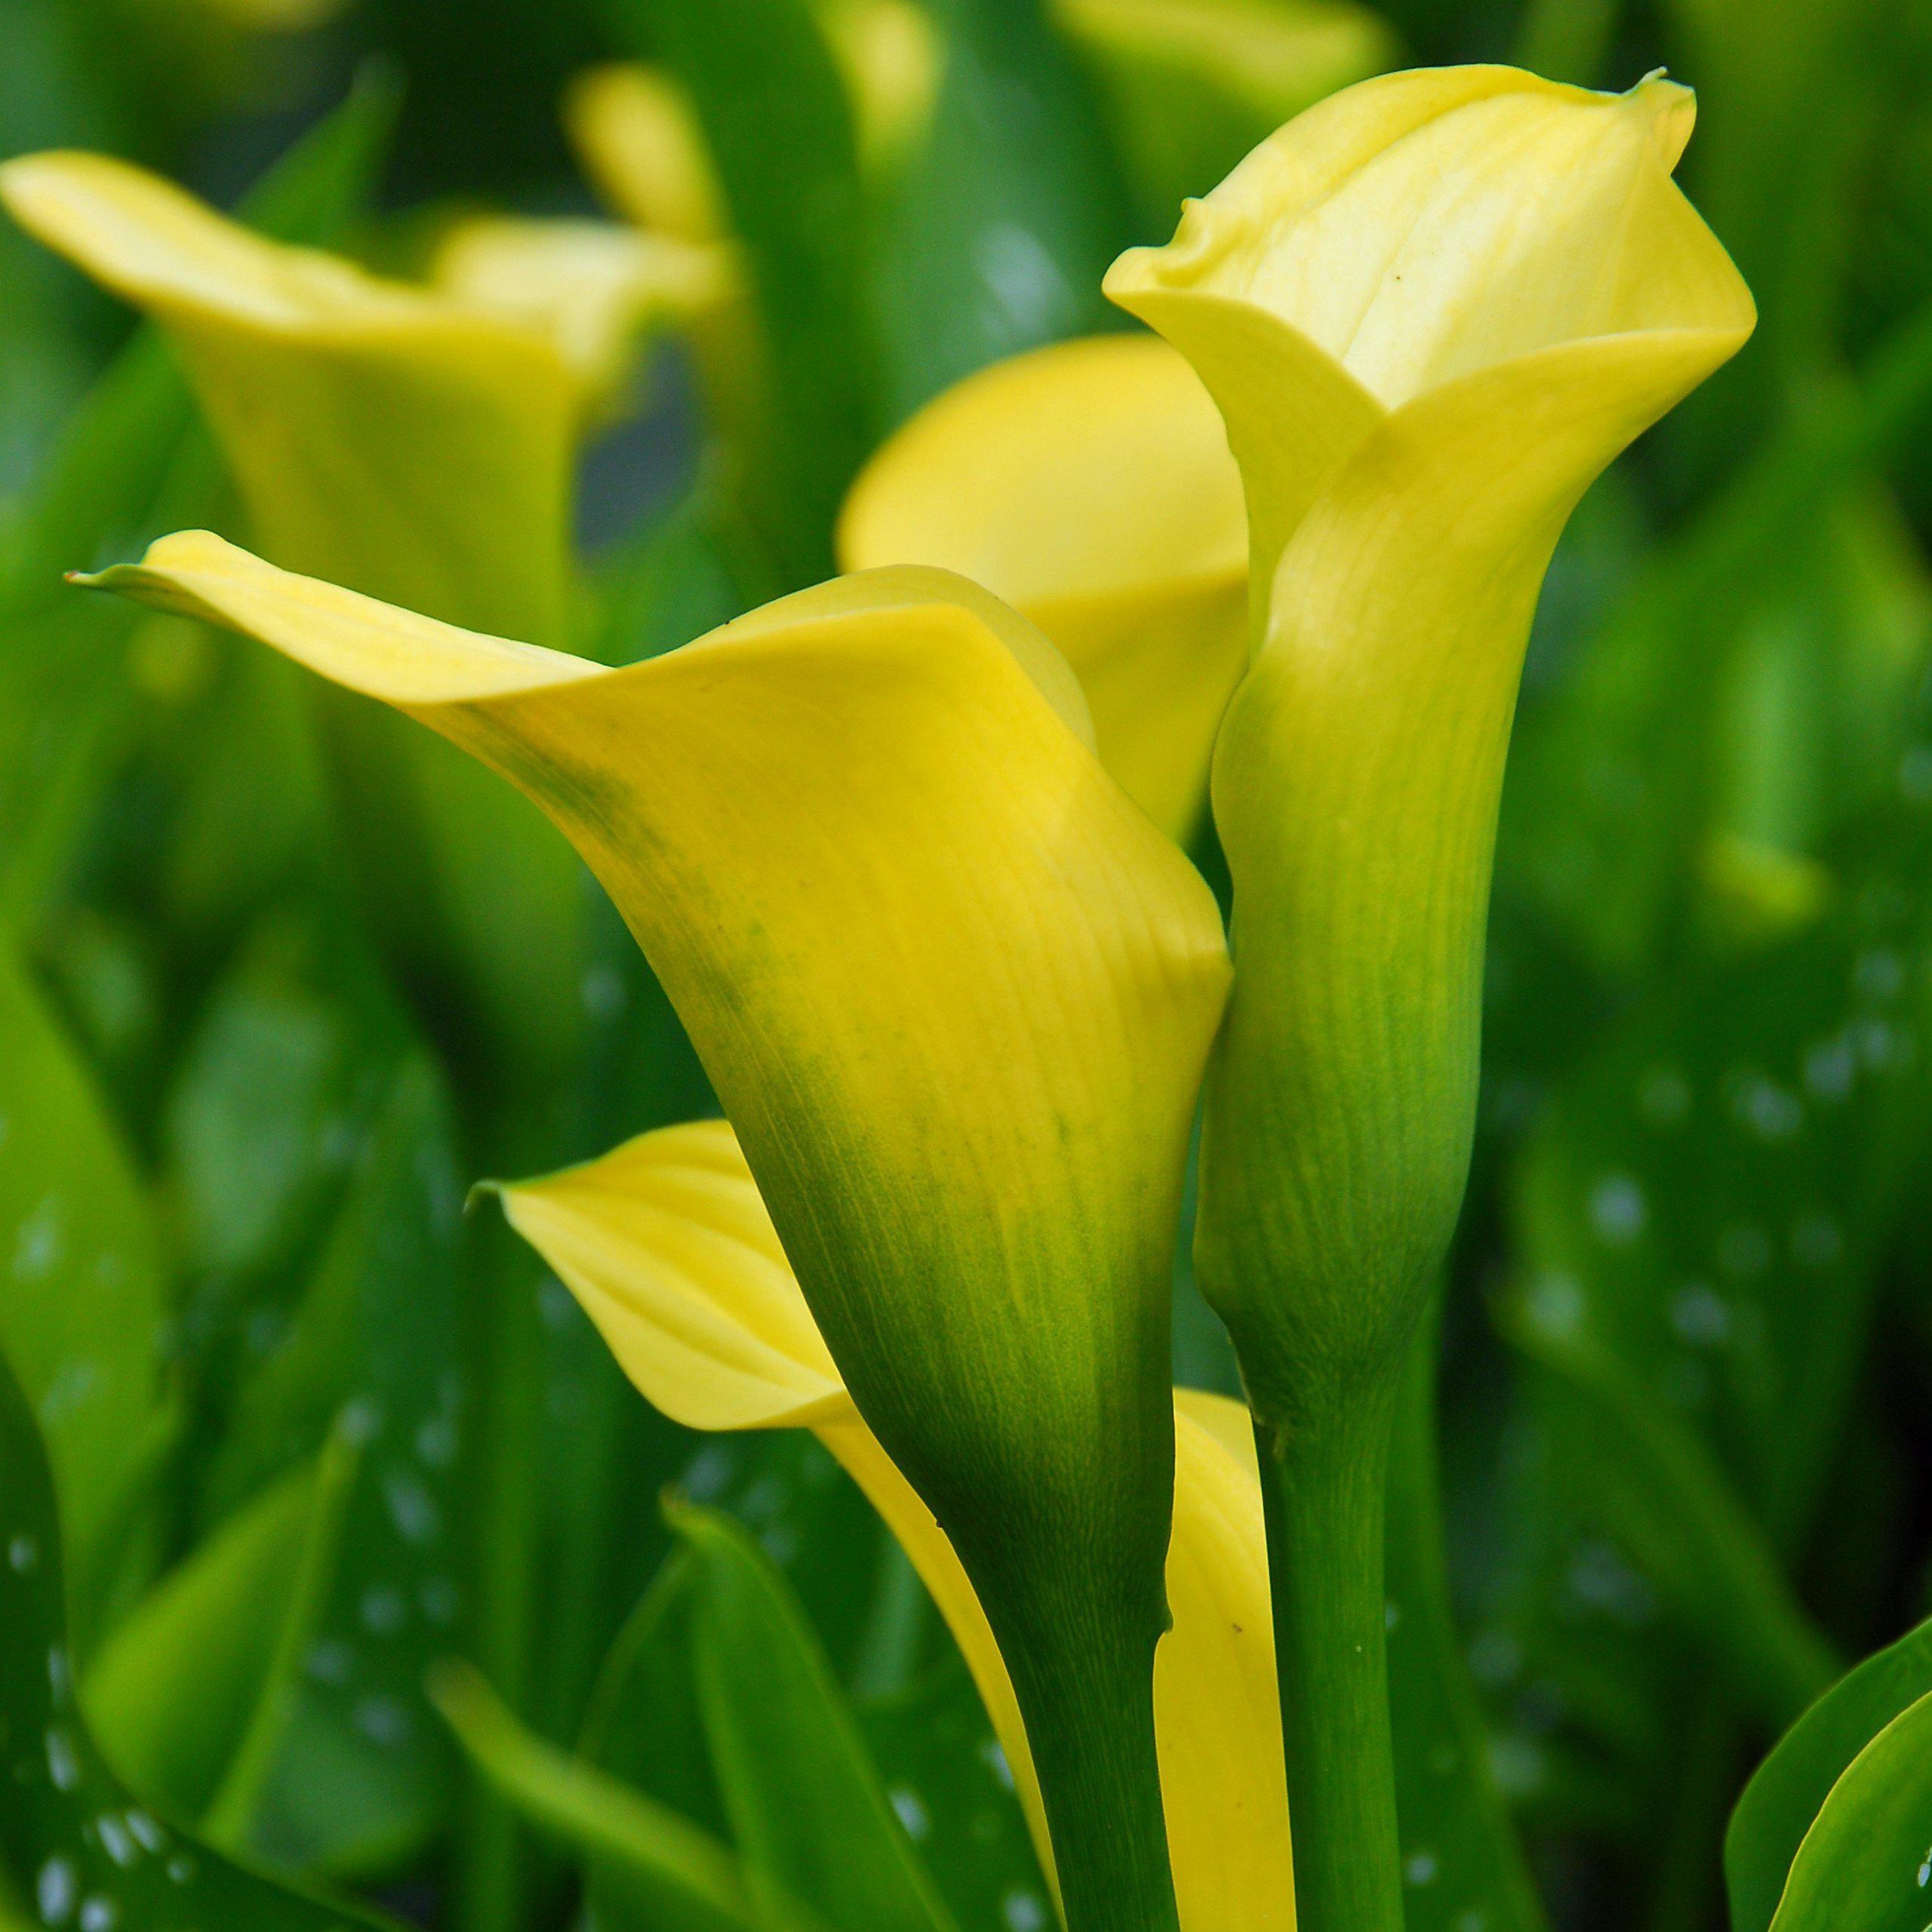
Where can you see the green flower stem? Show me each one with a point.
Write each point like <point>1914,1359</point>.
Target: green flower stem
<point>503,1427</point>
<point>1323,1492</point>
<point>1089,1724</point>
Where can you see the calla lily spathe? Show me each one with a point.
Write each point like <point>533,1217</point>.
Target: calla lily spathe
<point>1088,484</point>
<point>957,994</point>
<point>419,448</point>
<point>666,1244</point>
<point>1430,310</point>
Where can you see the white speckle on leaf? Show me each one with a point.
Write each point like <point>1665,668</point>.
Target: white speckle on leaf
<point>63,1765</point>
<point>384,1610</point>
<point>116,1839</point>
<point>99,1914</point>
<point>1701,1315</point>
<point>1024,1911</point>
<point>1555,1303</point>
<point>54,1890</point>
<point>1618,1211</point>
<point>37,1246</point>
<point>1420,1868</point>
<point>1767,1109</point>
<point>994,1757</point>
<point>412,1509</point>
<point>910,1812</point>
<point>22,1555</point>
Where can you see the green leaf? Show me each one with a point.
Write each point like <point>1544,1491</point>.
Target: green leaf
<point>1462,1864</point>
<point>362,1773</point>
<point>949,1782</point>
<point>1864,1865</point>
<point>80,1290</point>
<point>996,236</point>
<point>1607,802</point>
<point>72,1838</point>
<point>1658,1490</point>
<point>808,1811</point>
<point>1791,1787</point>
<point>198,1669</point>
<point>777,120</point>
<point>678,1877</point>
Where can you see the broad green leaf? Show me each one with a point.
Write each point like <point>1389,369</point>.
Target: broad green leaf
<point>953,1788</point>
<point>808,1812</point>
<point>72,1838</point>
<point>767,93</point>
<point>1658,1489</point>
<point>1866,1863</point>
<point>1790,1788</point>
<point>1461,1863</point>
<point>657,1865</point>
<point>644,1725</point>
<point>995,236</point>
<point>362,1773</point>
<point>1607,804</point>
<point>198,1672</point>
<point>1192,86</point>
<point>82,1293</point>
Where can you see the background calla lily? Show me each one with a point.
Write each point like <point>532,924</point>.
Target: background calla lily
<point>594,288</point>
<point>420,449</point>
<point>957,994</point>
<point>667,1245</point>
<point>1089,484</point>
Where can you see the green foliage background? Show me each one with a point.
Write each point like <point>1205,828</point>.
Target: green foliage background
<point>1681,1445</point>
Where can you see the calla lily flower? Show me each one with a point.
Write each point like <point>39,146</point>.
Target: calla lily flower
<point>1088,484</point>
<point>1430,310</point>
<point>1192,85</point>
<point>667,1245</point>
<point>421,449</point>
<point>957,994</point>
<point>592,287</point>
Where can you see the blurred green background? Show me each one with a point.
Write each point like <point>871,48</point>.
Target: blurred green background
<point>312,1428</point>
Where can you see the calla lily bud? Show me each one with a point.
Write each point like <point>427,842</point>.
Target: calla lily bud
<point>1432,310</point>
<point>957,994</point>
<point>1090,485</point>
<point>416,446</point>
<point>1191,85</point>
<point>667,1245</point>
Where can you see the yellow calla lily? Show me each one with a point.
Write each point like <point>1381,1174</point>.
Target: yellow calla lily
<point>1193,84</point>
<point>1431,309</point>
<point>957,994</point>
<point>1089,484</point>
<point>590,287</point>
<point>668,1246</point>
<point>420,449</point>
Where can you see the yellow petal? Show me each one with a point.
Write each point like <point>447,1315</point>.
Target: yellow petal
<point>1432,310</point>
<point>592,289</point>
<point>667,1244</point>
<point>637,140</point>
<point>1414,230</point>
<point>956,992</point>
<point>1089,485</point>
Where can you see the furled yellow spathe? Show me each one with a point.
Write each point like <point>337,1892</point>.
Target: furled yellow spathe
<point>957,994</point>
<point>667,1245</point>
<point>1090,485</point>
<point>1431,310</point>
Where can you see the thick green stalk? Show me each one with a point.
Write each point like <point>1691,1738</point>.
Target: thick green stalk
<point>1323,1492</point>
<point>1090,1725</point>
